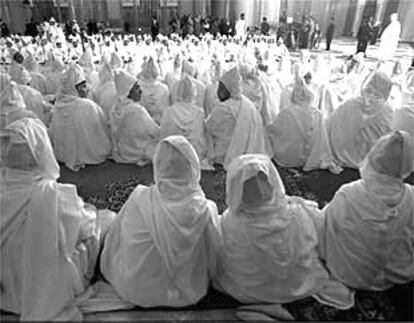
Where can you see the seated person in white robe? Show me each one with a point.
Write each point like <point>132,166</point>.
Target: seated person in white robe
<point>85,61</point>
<point>174,75</point>
<point>134,133</point>
<point>298,134</point>
<point>79,132</point>
<point>39,81</point>
<point>53,70</point>
<point>367,233</point>
<point>105,91</point>
<point>12,106</point>
<point>156,252</point>
<point>49,237</point>
<point>211,99</point>
<point>190,70</point>
<point>155,94</point>
<point>185,118</point>
<point>355,126</point>
<point>32,98</point>
<point>404,116</point>
<point>268,241</point>
<point>235,125</point>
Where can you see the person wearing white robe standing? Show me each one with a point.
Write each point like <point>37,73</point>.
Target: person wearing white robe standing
<point>187,119</point>
<point>298,134</point>
<point>155,94</point>
<point>157,252</point>
<point>134,133</point>
<point>235,125</point>
<point>355,126</point>
<point>79,132</point>
<point>389,39</point>
<point>268,241</point>
<point>241,26</point>
<point>367,232</point>
<point>49,237</point>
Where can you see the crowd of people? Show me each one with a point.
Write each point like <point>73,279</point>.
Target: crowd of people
<point>185,105</point>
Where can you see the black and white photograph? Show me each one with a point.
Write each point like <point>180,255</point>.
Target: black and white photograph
<point>207,160</point>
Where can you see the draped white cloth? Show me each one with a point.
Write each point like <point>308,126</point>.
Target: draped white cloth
<point>78,130</point>
<point>156,252</point>
<point>389,40</point>
<point>104,93</point>
<point>355,126</point>
<point>185,118</point>
<point>235,125</point>
<point>404,116</point>
<point>267,251</point>
<point>366,236</point>
<point>131,143</point>
<point>298,134</point>
<point>12,106</point>
<point>46,261</point>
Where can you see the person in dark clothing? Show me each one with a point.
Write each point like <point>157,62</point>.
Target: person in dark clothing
<point>304,34</point>
<point>375,32</point>
<point>224,27</point>
<point>4,29</point>
<point>364,35</point>
<point>330,33</point>
<point>155,27</point>
<point>265,27</point>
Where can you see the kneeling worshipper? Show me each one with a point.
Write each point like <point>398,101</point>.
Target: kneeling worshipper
<point>49,237</point>
<point>189,69</point>
<point>367,232</point>
<point>53,70</point>
<point>134,133</point>
<point>404,116</point>
<point>235,125</point>
<point>185,118</point>
<point>298,134</point>
<point>267,252</point>
<point>12,106</point>
<point>155,94</point>
<point>156,252</point>
<point>79,132</point>
<point>355,126</point>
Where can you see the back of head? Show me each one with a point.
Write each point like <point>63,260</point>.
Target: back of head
<point>150,70</point>
<point>123,82</point>
<point>378,85</point>
<point>302,94</point>
<point>72,77</point>
<point>393,155</point>
<point>26,146</point>
<point>253,181</point>
<point>232,81</point>
<point>176,166</point>
<point>185,90</point>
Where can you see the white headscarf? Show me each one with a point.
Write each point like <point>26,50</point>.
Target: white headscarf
<point>72,77</point>
<point>185,91</point>
<point>106,73</point>
<point>387,164</point>
<point>232,81</point>
<point>379,84</point>
<point>12,106</point>
<point>150,70</point>
<point>28,136</point>
<point>123,83</point>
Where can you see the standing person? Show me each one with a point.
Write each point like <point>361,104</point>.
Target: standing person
<point>364,35</point>
<point>265,27</point>
<point>375,32</point>
<point>304,33</point>
<point>241,26</point>
<point>389,39</point>
<point>155,27</point>
<point>330,33</point>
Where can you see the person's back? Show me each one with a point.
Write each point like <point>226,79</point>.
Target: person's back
<point>157,250</point>
<point>366,235</point>
<point>298,134</point>
<point>78,129</point>
<point>355,126</point>
<point>49,241</point>
<point>105,92</point>
<point>404,116</point>
<point>267,248</point>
